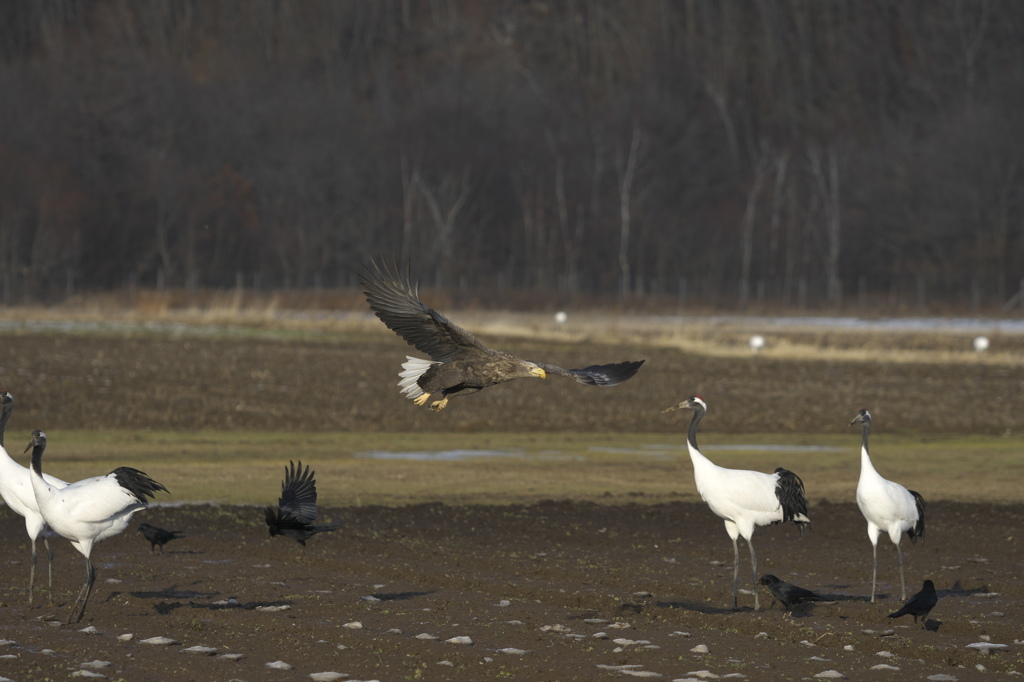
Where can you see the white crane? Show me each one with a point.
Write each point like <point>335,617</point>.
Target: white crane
<point>743,499</point>
<point>887,506</point>
<point>90,510</point>
<point>16,489</point>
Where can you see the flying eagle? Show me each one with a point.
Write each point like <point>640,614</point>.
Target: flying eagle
<point>458,364</point>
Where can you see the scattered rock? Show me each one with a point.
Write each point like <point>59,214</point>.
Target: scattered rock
<point>370,598</point>
<point>91,630</point>
<point>327,676</point>
<point>462,639</point>
<point>232,657</point>
<point>6,642</point>
<point>279,607</point>
<point>885,654</point>
<point>424,635</point>
<point>208,650</point>
<point>448,663</point>
<point>96,665</point>
<point>830,675</point>
<point>280,665</point>
<point>159,641</point>
<point>126,637</point>
<point>554,628</point>
<point>942,677</point>
<point>87,673</point>
<point>354,625</point>
<point>986,647</point>
<point>699,649</point>
<point>512,650</point>
<point>884,666</point>
<point>226,602</point>
<point>504,602</point>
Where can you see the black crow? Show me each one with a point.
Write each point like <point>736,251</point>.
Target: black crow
<point>788,595</point>
<point>920,604</point>
<point>296,510</point>
<point>159,536</point>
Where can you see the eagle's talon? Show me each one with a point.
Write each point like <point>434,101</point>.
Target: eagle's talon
<point>439,405</point>
<point>421,399</point>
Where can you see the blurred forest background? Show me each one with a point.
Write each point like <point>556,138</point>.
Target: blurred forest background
<point>787,152</point>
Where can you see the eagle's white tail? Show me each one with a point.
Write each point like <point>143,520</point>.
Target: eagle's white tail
<point>412,370</point>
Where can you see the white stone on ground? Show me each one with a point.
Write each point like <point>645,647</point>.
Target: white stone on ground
<point>424,635</point>
<point>986,647</point>
<point>279,607</point>
<point>87,673</point>
<point>159,641</point>
<point>6,642</point>
<point>504,602</point>
<point>942,677</point>
<point>830,675</point>
<point>884,666</point>
<point>91,630</point>
<point>885,654</point>
<point>279,665</point>
<point>699,649</point>
<point>208,650</point>
<point>461,639</point>
<point>232,657</point>
<point>96,665</point>
<point>327,676</point>
<point>354,625</point>
<point>511,650</point>
<point>126,637</point>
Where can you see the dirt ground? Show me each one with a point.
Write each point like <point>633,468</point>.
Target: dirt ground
<point>550,591</point>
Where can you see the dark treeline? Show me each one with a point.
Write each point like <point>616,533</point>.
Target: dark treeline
<point>758,149</point>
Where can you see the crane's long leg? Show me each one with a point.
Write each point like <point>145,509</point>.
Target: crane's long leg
<point>753,564</point>
<point>874,569</point>
<point>735,572</point>
<point>32,573</point>
<point>49,553</point>
<point>903,585</point>
<point>90,578</point>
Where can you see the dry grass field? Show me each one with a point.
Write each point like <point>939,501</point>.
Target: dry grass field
<point>554,525</point>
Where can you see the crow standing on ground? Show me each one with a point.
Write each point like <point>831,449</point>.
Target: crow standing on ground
<point>296,510</point>
<point>159,536</point>
<point>787,594</point>
<point>920,604</point>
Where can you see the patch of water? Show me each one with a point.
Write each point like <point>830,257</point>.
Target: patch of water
<point>652,450</point>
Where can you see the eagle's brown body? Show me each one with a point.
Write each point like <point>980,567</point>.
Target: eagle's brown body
<point>459,364</point>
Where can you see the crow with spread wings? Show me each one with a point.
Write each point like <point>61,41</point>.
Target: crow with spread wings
<point>296,508</point>
<point>458,364</point>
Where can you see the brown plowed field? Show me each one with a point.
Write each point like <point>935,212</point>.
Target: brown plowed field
<point>558,590</point>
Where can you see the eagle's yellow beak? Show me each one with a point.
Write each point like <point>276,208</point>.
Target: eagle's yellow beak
<point>539,372</point>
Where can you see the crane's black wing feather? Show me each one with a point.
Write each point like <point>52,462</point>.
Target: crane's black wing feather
<point>395,300</point>
<point>597,375</point>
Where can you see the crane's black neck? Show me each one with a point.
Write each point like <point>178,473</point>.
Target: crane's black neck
<point>698,414</point>
<point>865,429</point>
<point>4,416</point>
<point>38,445</point>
